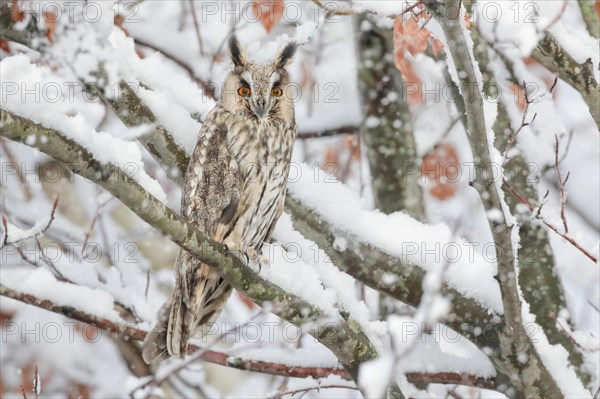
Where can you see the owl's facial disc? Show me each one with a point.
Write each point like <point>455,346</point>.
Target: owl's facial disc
<point>261,101</point>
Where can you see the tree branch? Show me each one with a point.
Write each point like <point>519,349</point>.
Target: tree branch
<point>550,54</point>
<point>540,283</point>
<point>350,129</point>
<point>129,332</point>
<point>369,266</point>
<point>532,379</point>
<point>590,17</point>
<point>132,111</point>
<point>394,187</point>
<point>351,346</point>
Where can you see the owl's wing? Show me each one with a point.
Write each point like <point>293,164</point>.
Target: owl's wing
<point>210,200</point>
<point>291,132</point>
<point>213,182</point>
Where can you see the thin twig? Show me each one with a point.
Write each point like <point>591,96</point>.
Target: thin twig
<point>557,17</point>
<point>47,260</point>
<point>34,235</point>
<point>538,216</point>
<point>5,227</point>
<point>197,28</point>
<point>207,87</point>
<point>130,332</point>
<point>36,382</point>
<point>280,395</point>
<point>513,135</point>
<point>569,334</point>
<point>350,129</point>
<point>91,228</point>
<point>331,11</point>
<point>561,186</point>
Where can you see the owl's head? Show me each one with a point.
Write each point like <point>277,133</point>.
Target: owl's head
<point>260,90</point>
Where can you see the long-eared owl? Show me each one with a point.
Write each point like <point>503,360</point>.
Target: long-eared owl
<point>234,190</point>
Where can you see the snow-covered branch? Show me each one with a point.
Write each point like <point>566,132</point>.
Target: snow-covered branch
<point>128,331</point>
<point>514,339</point>
<point>537,263</point>
<point>551,54</point>
<point>348,343</point>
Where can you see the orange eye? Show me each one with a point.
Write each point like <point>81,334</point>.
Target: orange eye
<point>244,91</point>
<point>277,92</point>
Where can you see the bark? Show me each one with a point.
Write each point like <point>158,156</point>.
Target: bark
<point>387,130</point>
<point>7,24</point>
<point>159,142</point>
<point>531,378</point>
<point>345,339</point>
<point>590,17</point>
<point>550,54</point>
<point>126,334</point>
<point>540,283</point>
<point>374,268</point>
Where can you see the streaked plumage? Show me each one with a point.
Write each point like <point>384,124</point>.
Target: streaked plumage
<point>234,191</point>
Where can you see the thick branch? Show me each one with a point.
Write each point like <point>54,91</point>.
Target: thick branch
<point>590,16</point>
<point>531,378</point>
<point>540,284</point>
<point>224,359</point>
<point>7,26</point>
<point>347,342</point>
<point>550,54</point>
<point>371,266</point>
<point>390,143</point>
<point>159,142</point>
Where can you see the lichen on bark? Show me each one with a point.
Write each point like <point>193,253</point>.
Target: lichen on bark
<point>387,129</point>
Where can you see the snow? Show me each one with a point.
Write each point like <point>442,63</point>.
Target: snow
<point>555,358</point>
<point>402,236</point>
<point>49,109</point>
<point>455,246</point>
<point>297,278</point>
<point>441,349</point>
<point>375,376</point>
<point>15,234</point>
<point>338,283</point>
<point>516,24</point>
<point>173,97</point>
<point>384,7</point>
<point>317,356</point>
<point>42,284</point>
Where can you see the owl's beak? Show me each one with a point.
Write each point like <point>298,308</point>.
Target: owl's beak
<point>260,108</point>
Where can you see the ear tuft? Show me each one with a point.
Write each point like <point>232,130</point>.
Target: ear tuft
<point>286,54</point>
<point>238,57</point>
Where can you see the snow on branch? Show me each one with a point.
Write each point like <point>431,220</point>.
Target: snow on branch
<point>358,259</point>
<point>543,384</point>
<point>349,344</point>
<point>14,235</point>
<point>129,331</point>
<point>580,76</point>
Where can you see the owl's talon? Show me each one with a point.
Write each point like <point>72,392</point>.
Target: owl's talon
<point>241,255</point>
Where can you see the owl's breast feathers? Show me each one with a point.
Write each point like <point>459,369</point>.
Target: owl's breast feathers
<point>236,181</point>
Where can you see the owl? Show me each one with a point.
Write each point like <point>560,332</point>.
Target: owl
<point>234,191</point>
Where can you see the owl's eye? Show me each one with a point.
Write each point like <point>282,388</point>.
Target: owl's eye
<point>276,92</point>
<point>244,91</point>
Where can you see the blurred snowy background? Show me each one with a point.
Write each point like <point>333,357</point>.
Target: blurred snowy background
<point>94,255</point>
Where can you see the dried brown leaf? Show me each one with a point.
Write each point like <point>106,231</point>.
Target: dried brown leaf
<point>4,45</point>
<point>50,19</point>
<point>268,12</point>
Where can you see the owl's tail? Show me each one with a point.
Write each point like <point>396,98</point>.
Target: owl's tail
<point>194,303</point>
